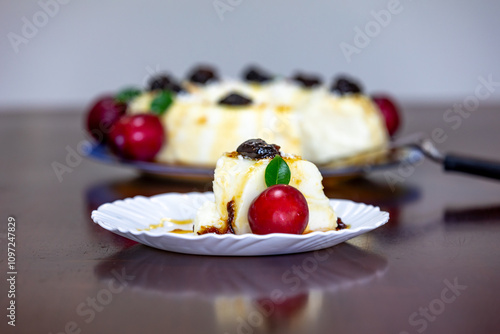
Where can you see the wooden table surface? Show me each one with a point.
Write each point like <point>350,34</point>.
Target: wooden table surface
<point>433,268</point>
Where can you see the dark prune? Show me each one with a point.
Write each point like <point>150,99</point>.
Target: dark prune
<point>255,74</point>
<point>175,87</point>
<point>159,82</point>
<point>164,82</point>
<point>307,80</point>
<point>258,149</point>
<point>344,85</point>
<point>235,99</point>
<point>340,225</point>
<point>202,75</point>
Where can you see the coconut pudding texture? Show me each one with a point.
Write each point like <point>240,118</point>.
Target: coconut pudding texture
<point>260,189</point>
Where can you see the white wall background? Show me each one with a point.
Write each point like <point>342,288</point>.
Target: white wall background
<point>429,51</point>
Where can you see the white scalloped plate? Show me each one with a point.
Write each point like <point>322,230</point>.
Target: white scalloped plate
<point>127,217</point>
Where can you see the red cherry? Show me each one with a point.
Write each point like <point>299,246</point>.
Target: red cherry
<point>103,114</point>
<point>286,307</point>
<point>389,111</point>
<point>279,209</point>
<point>137,137</point>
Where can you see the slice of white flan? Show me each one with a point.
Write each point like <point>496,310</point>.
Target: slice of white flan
<point>239,179</point>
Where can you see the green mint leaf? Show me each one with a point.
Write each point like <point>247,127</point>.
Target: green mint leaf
<point>127,94</point>
<point>277,172</point>
<point>161,102</point>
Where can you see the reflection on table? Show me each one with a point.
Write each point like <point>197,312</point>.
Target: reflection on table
<point>258,292</point>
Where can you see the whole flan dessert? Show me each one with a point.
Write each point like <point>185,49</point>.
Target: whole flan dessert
<point>241,179</point>
<point>205,115</point>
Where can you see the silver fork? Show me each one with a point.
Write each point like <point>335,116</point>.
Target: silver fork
<point>452,162</point>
